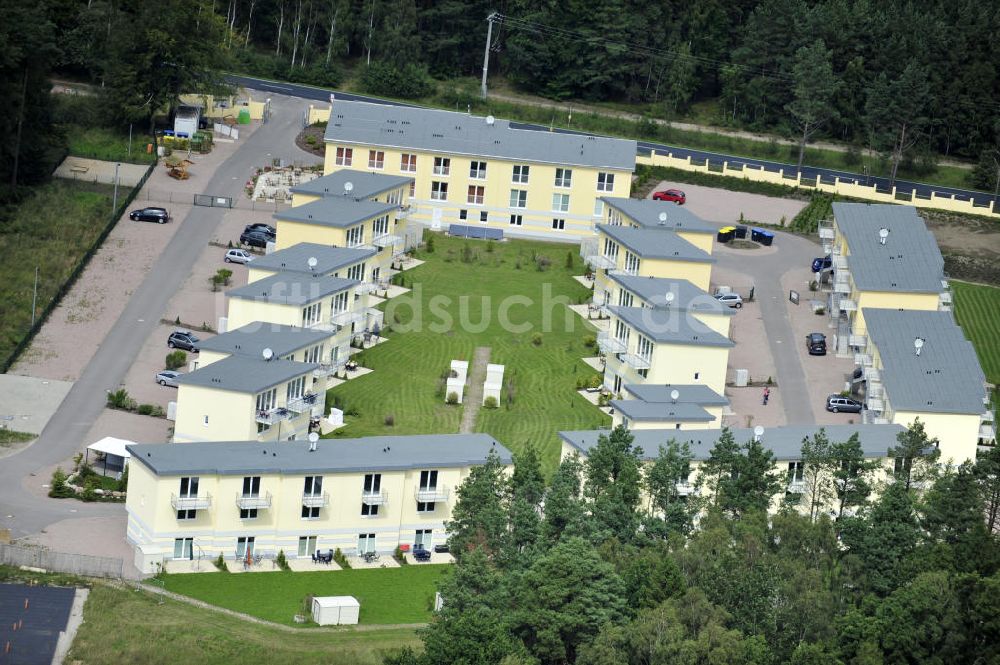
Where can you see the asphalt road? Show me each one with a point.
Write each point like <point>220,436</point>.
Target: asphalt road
<point>24,512</point>
<point>644,147</point>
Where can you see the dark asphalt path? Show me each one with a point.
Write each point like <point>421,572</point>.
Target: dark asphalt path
<point>923,190</point>
<point>25,513</point>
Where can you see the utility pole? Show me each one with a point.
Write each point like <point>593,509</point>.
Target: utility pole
<point>130,139</point>
<point>114,203</point>
<point>34,299</point>
<point>486,56</point>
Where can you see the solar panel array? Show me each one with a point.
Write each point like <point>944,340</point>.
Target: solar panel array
<point>466,231</point>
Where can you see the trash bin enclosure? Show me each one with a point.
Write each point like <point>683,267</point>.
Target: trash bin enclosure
<point>336,610</point>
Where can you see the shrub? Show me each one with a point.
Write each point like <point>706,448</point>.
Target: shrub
<point>596,381</point>
<point>452,398</point>
<point>820,311</point>
<point>123,481</point>
<point>429,245</point>
<point>466,253</point>
<point>569,260</point>
<point>175,359</point>
<point>814,285</point>
<point>145,410</point>
<point>409,81</point>
<point>281,561</point>
<point>58,488</point>
<point>489,246</point>
<point>490,402</point>
<point>340,559</point>
<point>390,420</point>
<point>398,556</point>
<point>220,563</point>
<point>177,321</point>
<point>536,339</point>
<point>590,341</point>
<point>442,385</point>
<point>542,262</point>
<point>120,399</point>
<point>220,278</point>
<point>602,400</point>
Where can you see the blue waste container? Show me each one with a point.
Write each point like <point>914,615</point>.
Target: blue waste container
<point>766,238</point>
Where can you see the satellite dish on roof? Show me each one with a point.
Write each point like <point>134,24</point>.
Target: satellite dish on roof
<point>669,297</point>
<point>758,432</point>
<point>663,218</point>
<point>267,353</point>
<point>312,262</point>
<point>348,186</point>
<point>674,394</point>
<point>490,120</point>
<point>918,344</point>
<point>883,233</point>
<point>313,438</point>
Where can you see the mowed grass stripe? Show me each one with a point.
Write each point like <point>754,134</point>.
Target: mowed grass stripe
<point>977,309</point>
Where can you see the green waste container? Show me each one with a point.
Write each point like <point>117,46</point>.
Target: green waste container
<point>244,117</point>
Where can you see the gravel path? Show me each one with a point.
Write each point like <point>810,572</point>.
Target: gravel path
<point>474,397</point>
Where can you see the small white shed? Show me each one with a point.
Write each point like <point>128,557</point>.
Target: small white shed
<point>336,610</point>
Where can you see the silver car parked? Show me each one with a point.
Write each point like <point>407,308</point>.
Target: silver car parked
<point>238,256</point>
<point>168,377</point>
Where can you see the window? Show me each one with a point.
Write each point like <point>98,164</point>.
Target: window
<point>307,545</point>
<point>345,156</point>
<point>251,490</point>
<point>796,472</point>
<point>355,235</point>
<point>624,298</point>
<point>188,490</point>
<point>183,548</point>
<point>408,163</point>
<point>422,539</point>
<point>463,214</point>
<point>376,159</point>
<point>614,217</point>
<point>366,542</point>
<point>295,388</point>
<point>696,375</point>
<point>244,546</point>
<point>428,483</point>
<point>610,248</point>
<point>312,487</point>
<point>476,194</point>
<point>395,196</point>
<point>559,224</point>
<point>310,314</point>
<point>605,182</point>
<point>356,272</point>
<point>621,334</point>
<point>380,226</point>
<point>439,191</point>
<point>632,263</point>
<point>518,198</point>
<point>598,208</point>
<point>413,188</point>
<point>483,216</point>
<point>338,304</point>
<point>266,400</point>
<point>520,174</point>
<point>644,348</point>
<point>560,202</point>
<point>516,220</point>
<point>477,170</point>
<point>371,494</point>
<point>442,165</point>
<point>315,353</point>
<point>564,177</point>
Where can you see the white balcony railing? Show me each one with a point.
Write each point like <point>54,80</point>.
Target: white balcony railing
<point>431,494</point>
<point>600,261</point>
<point>609,344</point>
<point>191,502</point>
<point>826,231</point>
<point>858,341</point>
<point>304,403</point>
<point>841,285</point>
<point>875,389</point>
<point>872,375</point>
<point>796,486</point>
<point>685,487</point>
<point>329,369</point>
<point>987,431</point>
<point>629,272</point>
<point>635,361</point>
<point>847,305</point>
<point>273,416</point>
<point>375,498</point>
<point>386,240</point>
<point>875,404</point>
<point>839,263</point>
<point>344,319</point>
<point>863,359</point>
<point>315,500</point>
<point>253,501</point>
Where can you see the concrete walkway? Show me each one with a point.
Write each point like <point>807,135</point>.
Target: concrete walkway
<point>473,400</point>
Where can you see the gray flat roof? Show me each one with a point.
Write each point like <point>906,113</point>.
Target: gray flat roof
<point>364,185</point>
<point>945,378</point>
<point>638,410</point>
<point>450,132</point>
<point>669,326</point>
<point>687,296</point>
<point>253,338</point>
<point>646,213</point>
<point>286,288</point>
<point>375,453</point>
<point>242,374</point>
<point>655,243</point>
<point>784,442</point>
<point>908,262</point>
<point>688,393</point>
<point>328,259</point>
<point>335,211</point>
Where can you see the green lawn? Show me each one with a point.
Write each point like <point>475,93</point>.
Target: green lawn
<point>408,368</point>
<point>977,309</point>
<point>107,144</point>
<point>387,595</point>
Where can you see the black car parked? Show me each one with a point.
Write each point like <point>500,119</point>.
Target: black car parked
<point>158,215</point>
<point>260,226</point>
<point>816,343</point>
<point>256,238</point>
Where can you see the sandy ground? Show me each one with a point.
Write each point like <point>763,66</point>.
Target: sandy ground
<point>91,536</point>
<point>723,206</point>
<point>27,403</point>
<point>95,170</point>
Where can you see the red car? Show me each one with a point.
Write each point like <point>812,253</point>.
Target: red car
<point>675,195</point>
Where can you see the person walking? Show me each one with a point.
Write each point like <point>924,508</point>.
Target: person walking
<point>767,395</point>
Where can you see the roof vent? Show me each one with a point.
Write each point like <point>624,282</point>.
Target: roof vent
<point>490,120</point>
<point>883,234</point>
<point>313,439</point>
<point>918,344</point>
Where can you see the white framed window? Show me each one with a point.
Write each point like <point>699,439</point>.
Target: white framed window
<point>312,487</point>
<point>621,333</point>
<point>423,539</point>
<point>251,489</point>
<point>476,194</point>
<point>610,248</point>
<point>598,208</point>
<point>477,170</point>
<point>295,388</point>
<point>370,489</point>
<point>516,220</point>
<point>345,156</point>
<point>183,548</point>
<point>310,314</point>
<point>520,174</point>
<point>356,272</point>
<point>564,177</point>
<point>408,163</point>
<point>558,224</point>
<point>313,354</point>
<point>442,165</point>
<point>796,472</point>
<point>614,217</point>
<point>244,546</point>
<point>632,263</point>
<point>338,304</point>
<point>366,542</point>
<point>518,198</point>
<point>376,159</point>
<point>266,400</point>
<point>560,202</point>
<point>439,191</point>
<point>188,490</point>
<point>356,235</point>
<point>413,188</point>
<point>428,483</point>
<point>605,182</point>
<point>380,226</point>
<point>644,348</point>
<point>624,298</point>
<point>307,545</point>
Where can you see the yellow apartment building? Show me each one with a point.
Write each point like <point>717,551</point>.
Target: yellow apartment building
<point>483,172</point>
<point>882,256</point>
<point>647,252</point>
<point>650,214</point>
<point>241,398</point>
<point>330,261</point>
<point>785,442</point>
<point>666,406</point>
<point>918,364</point>
<point>200,500</point>
<point>660,346</point>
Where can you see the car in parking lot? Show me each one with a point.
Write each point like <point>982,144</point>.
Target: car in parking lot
<point>183,339</point>
<point>260,226</point>
<point>238,256</point>
<point>730,299</point>
<point>151,214</point>
<point>168,377</point>
<point>816,344</point>
<point>841,404</point>
<point>821,263</point>
<point>256,238</point>
<point>673,195</point>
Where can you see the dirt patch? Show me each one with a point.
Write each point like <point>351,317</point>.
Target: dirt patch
<point>317,146</point>
<point>970,245</point>
<point>743,244</point>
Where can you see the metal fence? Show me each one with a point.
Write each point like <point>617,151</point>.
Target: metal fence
<point>154,195</point>
<point>61,562</point>
<point>211,201</point>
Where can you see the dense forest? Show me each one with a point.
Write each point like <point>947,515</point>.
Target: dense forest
<point>584,571</point>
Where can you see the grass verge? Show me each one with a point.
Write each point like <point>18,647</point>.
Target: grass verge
<point>448,315</point>
<point>387,595</point>
<point>977,309</point>
<point>9,436</point>
<point>107,144</point>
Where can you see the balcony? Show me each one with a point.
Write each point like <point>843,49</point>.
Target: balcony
<point>987,432</point>
<point>685,488</point>
<point>191,502</point>
<point>303,404</point>
<point>598,261</point>
<point>431,494</point>
<point>386,240</point>
<point>368,287</point>
<point>847,305</point>
<point>630,272</point>
<point>273,416</point>
<point>404,211</point>
<point>825,231</point>
<point>869,417</point>
<point>609,344</point>
<point>315,500</point>
<point>796,487</point>
<point>329,369</point>
<point>375,498</point>
<point>875,390</point>
<point>841,285</point>
<point>875,404</point>
<point>863,359</point>
<point>635,361</point>
<point>253,501</point>
<point>872,375</point>
<point>858,341</point>
<point>344,319</point>
<point>839,263</point>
